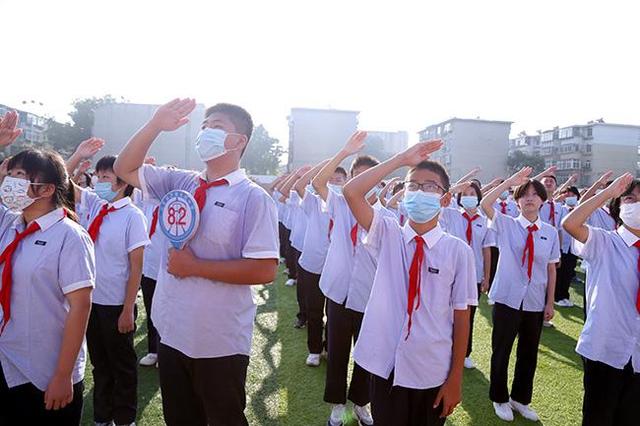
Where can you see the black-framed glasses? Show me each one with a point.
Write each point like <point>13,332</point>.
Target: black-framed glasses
<point>428,186</point>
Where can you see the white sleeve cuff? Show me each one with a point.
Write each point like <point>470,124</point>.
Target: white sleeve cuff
<point>77,286</point>
<point>261,255</point>
<point>138,245</point>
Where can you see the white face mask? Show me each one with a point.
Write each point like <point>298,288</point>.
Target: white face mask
<point>630,215</point>
<point>14,193</point>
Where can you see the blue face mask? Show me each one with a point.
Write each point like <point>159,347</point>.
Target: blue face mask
<point>105,191</point>
<point>311,189</point>
<point>504,195</point>
<point>335,188</point>
<point>571,201</point>
<point>421,206</point>
<point>210,143</point>
<point>469,201</point>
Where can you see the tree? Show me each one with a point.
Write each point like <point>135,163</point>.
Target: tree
<point>65,137</point>
<point>262,156</point>
<point>519,159</point>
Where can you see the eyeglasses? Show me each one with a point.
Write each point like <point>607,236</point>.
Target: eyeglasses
<point>428,186</point>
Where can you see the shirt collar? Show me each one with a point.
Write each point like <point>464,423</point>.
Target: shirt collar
<point>120,203</point>
<point>46,221</point>
<point>431,237</point>
<point>524,222</point>
<point>234,178</point>
<point>627,236</point>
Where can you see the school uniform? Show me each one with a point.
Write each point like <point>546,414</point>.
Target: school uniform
<point>508,207</point>
<point>150,266</point>
<point>298,231</point>
<point>290,256</point>
<point>343,323</point>
<point>311,262</point>
<point>610,340</point>
<point>567,269</point>
<point>601,218</point>
<point>31,341</point>
<point>408,351</point>
<point>276,195</point>
<point>519,292</point>
<point>206,326</point>
<point>552,216</point>
<point>117,229</point>
<point>474,230</point>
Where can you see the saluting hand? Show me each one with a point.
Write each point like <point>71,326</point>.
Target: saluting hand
<point>419,152</point>
<point>89,147</point>
<point>619,186</point>
<point>355,143</point>
<point>173,115</point>
<point>8,130</point>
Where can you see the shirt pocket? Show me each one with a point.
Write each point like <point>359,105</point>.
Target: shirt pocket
<point>436,288</point>
<point>219,226</point>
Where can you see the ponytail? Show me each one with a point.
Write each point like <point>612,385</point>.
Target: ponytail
<point>67,199</point>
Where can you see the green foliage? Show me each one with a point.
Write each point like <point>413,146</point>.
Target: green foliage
<point>519,159</point>
<point>263,153</point>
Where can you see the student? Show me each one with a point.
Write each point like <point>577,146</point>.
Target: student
<point>118,231</point>
<point>506,205</point>
<point>42,349</point>
<point>523,291</point>
<point>276,195</point>
<point>609,340</point>
<point>568,260</point>
<point>415,329</point>
<point>467,224</point>
<point>203,306</point>
<point>289,219</point>
<point>347,296</point>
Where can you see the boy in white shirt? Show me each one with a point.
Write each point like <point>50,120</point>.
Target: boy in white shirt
<point>203,306</point>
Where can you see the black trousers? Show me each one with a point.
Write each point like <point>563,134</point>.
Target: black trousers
<point>398,406</point>
<point>289,259</point>
<point>611,396</point>
<point>509,323</point>
<point>566,273</point>
<point>343,328</point>
<point>282,236</point>
<point>314,302</point>
<point>495,255</point>
<point>148,286</point>
<point>24,405</point>
<point>115,366</point>
<point>472,315</point>
<point>300,288</point>
<point>201,391</point>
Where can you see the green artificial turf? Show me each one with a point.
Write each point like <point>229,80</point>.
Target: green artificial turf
<point>282,390</point>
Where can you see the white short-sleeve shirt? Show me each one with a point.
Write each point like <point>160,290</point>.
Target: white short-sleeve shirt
<point>199,317</point>
<point>298,222</point>
<point>545,213</point>
<point>448,283</point>
<point>338,266</point>
<point>611,333</point>
<point>151,262</point>
<point>121,232</point>
<point>566,238</point>
<point>47,265</point>
<point>316,240</point>
<point>510,205</point>
<point>455,223</point>
<point>602,219</point>
<point>511,285</point>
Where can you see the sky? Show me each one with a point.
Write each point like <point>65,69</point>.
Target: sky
<point>403,64</point>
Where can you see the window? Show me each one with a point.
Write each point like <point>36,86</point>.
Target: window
<point>546,136</point>
<point>447,128</point>
<point>565,133</point>
<point>588,132</point>
<point>587,165</point>
<point>575,164</point>
<point>439,131</point>
<point>588,148</point>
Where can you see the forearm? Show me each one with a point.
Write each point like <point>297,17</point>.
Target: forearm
<point>489,200</point>
<point>590,193</point>
<point>73,162</point>
<point>133,284</point>
<point>75,328</point>
<point>302,183</point>
<point>237,271</point>
<point>321,179</point>
<point>286,187</point>
<point>575,221</point>
<point>551,283</point>
<point>132,156</point>
<point>460,341</point>
<point>486,263</point>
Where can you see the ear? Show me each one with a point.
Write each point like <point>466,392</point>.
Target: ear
<point>445,200</point>
<point>45,191</point>
<point>236,141</point>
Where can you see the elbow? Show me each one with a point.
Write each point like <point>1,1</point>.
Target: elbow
<point>316,184</point>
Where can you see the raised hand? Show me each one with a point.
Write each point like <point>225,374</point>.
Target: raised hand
<point>89,148</point>
<point>8,130</point>
<point>419,152</point>
<point>355,143</point>
<point>551,171</point>
<point>173,115</point>
<point>606,177</point>
<point>302,170</point>
<point>84,166</point>
<point>619,186</point>
<point>469,175</point>
<point>520,177</point>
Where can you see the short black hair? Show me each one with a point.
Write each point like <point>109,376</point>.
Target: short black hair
<point>574,190</point>
<point>341,170</point>
<point>614,205</point>
<point>476,188</point>
<point>437,168</point>
<point>521,190</point>
<point>397,188</point>
<point>240,118</point>
<point>552,177</point>
<point>477,182</point>
<point>105,164</point>
<point>363,160</point>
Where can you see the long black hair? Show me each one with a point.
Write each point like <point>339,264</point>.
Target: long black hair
<point>48,167</point>
<point>614,205</point>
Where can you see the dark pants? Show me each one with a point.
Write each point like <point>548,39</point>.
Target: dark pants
<point>201,391</point>
<point>507,324</point>
<point>495,255</point>
<point>566,273</point>
<point>115,366</point>
<point>343,328</point>
<point>148,286</point>
<point>24,405</point>
<point>472,314</point>
<point>289,259</point>
<point>300,288</point>
<point>282,236</point>
<point>398,406</point>
<point>314,302</point>
<point>611,396</point>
